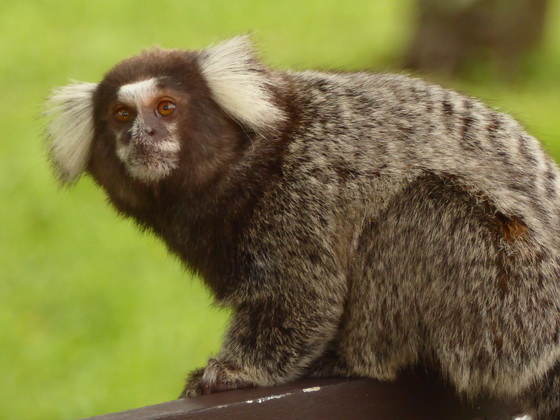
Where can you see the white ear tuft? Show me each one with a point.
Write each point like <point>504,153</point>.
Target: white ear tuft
<point>240,84</point>
<point>70,129</point>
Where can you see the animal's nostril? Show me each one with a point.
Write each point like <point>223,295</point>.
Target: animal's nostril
<point>149,131</point>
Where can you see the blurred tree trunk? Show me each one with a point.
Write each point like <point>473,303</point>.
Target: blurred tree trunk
<point>451,34</point>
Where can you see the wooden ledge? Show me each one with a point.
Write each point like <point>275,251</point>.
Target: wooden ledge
<point>412,397</point>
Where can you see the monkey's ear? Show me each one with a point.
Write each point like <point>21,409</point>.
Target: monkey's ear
<point>240,83</point>
<point>70,129</point>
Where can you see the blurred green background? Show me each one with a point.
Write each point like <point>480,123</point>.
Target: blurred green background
<point>95,317</point>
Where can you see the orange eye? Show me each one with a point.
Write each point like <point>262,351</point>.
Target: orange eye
<point>122,114</point>
<point>166,107</point>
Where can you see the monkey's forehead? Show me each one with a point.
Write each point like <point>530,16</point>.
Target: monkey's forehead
<point>143,73</point>
<point>139,92</point>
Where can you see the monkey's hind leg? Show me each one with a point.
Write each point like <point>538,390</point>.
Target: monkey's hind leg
<point>412,263</point>
<point>444,276</point>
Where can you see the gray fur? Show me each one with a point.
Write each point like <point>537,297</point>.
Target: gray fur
<point>407,224</point>
<point>427,171</point>
<point>419,260</point>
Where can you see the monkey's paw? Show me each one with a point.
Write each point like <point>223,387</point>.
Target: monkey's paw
<point>216,377</point>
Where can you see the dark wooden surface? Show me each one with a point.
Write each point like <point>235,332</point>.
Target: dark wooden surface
<point>413,397</point>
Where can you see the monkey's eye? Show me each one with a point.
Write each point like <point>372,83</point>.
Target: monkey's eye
<point>122,114</point>
<point>166,107</point>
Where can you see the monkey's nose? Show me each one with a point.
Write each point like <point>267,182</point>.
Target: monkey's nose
<point>149,131</point>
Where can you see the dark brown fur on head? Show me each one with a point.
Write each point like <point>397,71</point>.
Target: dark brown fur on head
<point>227,153</point>
<point>210,139</point>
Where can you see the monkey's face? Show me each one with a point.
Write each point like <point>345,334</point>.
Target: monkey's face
<point>144,120</point>
<point>182,117</point>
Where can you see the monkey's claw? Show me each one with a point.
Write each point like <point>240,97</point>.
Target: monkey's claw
<point>216,377</point>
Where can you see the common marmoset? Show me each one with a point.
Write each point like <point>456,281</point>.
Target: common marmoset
<point>356,223</point>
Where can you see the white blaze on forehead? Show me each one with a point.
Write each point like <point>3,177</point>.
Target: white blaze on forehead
<point>138,92</point>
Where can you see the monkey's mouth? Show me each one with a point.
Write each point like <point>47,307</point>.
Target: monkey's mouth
<point>149,161</point>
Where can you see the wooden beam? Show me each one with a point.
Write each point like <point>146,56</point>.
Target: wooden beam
<point>412,397</point>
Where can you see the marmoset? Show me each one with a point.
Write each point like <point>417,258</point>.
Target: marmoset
<point>357,224</point>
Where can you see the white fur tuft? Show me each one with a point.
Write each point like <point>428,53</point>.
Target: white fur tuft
<point>70,129</point>
<point>138,93</point>
<point>239,83</point>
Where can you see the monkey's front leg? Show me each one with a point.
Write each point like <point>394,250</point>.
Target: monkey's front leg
<point>270,341</point>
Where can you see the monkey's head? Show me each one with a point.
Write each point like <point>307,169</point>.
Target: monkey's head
<point>162,114</point>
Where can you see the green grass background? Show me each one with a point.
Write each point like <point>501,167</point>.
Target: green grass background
<point>95,317</point>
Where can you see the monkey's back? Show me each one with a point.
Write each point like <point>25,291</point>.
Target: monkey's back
<point>360,123</point>
<point>454,212</point>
